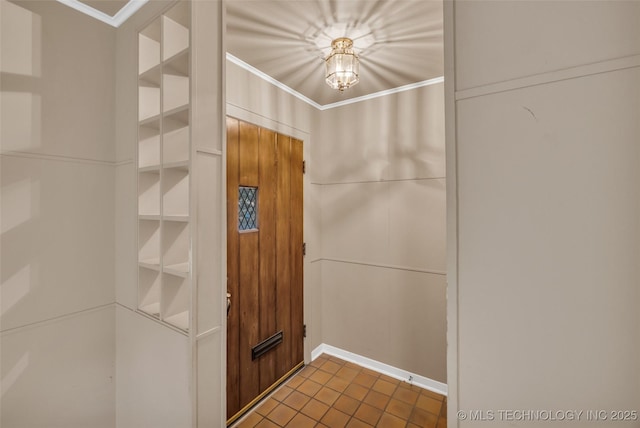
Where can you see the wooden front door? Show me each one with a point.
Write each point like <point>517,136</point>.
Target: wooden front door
<point>264,261</point>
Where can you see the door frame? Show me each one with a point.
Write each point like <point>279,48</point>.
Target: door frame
<point>309,229</point>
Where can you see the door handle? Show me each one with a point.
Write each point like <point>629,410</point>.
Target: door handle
<point>228,303</point>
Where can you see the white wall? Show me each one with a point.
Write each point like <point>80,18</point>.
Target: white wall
<point>57,194</point>
<point>382,180</point>
<point>60,373</point>
<point>548,238</point>
<point>153,373</point>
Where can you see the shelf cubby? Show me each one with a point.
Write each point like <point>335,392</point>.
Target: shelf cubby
<point>175,301</point>
<point>164,156</point>
<point>149,193</point>
<point>149,47</point>
<point>152,76</point>
<point>175,247</point>
<point>176,90</point>
<point>175,191</point>
<point>175,31</point>
<point>149,145</point>
<point>149,291</point>
<point>178,64</point>
<point>149,95</point>
<point>149,243</point>
<point>175,147</point>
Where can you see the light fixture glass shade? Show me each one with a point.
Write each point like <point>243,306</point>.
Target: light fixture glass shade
<point>342,65</point>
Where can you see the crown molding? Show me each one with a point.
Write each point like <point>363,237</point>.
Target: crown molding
<point>116,20</point>
<point>384,93</point>
<point>251,69</point>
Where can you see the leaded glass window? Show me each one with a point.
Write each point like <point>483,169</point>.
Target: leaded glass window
<point>247,208</point>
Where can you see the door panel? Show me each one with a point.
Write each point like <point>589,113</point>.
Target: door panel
<point>264,264</point>
<point>233,250</point>
<point>248,305</point>
<point>248,298</point>
<point>297,275</point>
<point>267,203</point>
<point>283,249</point>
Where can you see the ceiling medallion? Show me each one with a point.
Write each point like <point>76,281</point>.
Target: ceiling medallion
<point>342,65</point>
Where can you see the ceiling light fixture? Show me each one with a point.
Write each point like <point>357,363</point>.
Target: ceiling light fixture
<point>342,65</point>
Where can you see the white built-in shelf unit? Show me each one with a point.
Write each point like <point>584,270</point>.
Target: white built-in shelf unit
<point>164,277</point>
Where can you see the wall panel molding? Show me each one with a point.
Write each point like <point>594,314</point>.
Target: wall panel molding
<point>383,266</point>
<point>45,156</point>
<point>57,319</point>
<point>550,77</point>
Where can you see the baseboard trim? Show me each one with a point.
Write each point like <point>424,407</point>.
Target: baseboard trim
<point>394,372</point>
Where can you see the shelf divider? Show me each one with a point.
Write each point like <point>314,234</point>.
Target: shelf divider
<point>178,218</point>
<point>153,264</point>
<point>178,269</point>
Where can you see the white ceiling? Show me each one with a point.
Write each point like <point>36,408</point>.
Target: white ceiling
<point>399,41</point>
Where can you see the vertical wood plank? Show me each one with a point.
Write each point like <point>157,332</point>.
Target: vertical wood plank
<point>233,321</point>
<point>249,317</point>
<point>267,233</point>
<point>249,276</point>
<point>283,251</point>
<point>248,167</point>
<point>297,262</point>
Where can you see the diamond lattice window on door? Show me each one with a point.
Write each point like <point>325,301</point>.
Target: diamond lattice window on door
<point>247,208</point>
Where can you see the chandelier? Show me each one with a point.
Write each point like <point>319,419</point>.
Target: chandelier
<point>342,66</point>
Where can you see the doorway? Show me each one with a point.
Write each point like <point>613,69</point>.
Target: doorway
<point>265,331</point>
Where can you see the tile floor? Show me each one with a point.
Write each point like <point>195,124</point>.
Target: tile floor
<point>333,393</point>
